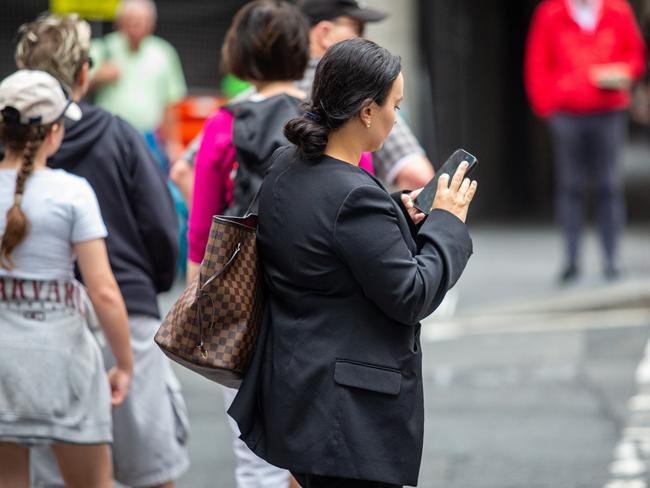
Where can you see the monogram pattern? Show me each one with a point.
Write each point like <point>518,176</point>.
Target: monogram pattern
<point>213,327</point>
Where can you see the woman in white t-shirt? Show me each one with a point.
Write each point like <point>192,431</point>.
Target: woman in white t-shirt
<point>53,388</point>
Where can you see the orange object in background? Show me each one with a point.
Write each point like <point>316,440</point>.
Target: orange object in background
<point>190,114</point>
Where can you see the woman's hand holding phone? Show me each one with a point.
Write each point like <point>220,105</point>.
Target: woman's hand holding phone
<point>414,213</point>
<point>456,196</point>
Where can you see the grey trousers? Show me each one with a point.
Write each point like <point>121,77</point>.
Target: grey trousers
<point>587,150</point>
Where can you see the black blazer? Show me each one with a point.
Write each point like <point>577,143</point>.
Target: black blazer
<point>335,387</point>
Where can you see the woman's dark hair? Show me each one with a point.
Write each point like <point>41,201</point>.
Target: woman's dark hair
<point>267,41</point>
<point>26,139</point>
<point>351,74</point>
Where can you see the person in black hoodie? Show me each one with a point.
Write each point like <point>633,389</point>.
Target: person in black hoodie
<point>149,450</point>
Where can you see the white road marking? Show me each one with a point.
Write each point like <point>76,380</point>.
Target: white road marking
<point>626,484</point>
<point>627,467</point>
<point>445,330</point>
<point>630,468</point>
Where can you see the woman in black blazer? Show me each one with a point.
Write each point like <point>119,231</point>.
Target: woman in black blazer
<point>334,393</point>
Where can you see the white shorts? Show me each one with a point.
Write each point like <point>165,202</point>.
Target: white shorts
<point>149,429</point>
<point>53,387</point>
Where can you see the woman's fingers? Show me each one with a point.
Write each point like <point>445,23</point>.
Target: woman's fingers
<point>464,186</point>
<point>413,212</point>
<point>407,200</point>
<point>457,180</point>
<point>443,182</point>
<point>471,191</point>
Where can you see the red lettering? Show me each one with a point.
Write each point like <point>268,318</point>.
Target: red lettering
<point>69,294</point>
<point>53,289</point>
<point>38,286</point>
<point>18,291</point>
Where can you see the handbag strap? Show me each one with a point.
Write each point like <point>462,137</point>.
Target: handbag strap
<point>200,294</point>
<point>222,270</point>
<point>253,208</point>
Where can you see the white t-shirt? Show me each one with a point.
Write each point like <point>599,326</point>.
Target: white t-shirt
<point>62,209</point>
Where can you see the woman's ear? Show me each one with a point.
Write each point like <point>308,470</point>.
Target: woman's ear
<point>53,132</point>
<point>366,113</point>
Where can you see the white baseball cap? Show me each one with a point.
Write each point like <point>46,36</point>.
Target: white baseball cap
<point>33,97</point>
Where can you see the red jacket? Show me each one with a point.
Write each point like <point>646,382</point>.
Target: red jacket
<point>559,56</point>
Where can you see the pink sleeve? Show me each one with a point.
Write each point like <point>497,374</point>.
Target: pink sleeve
<point>214,163</point>
<point>366,162</point>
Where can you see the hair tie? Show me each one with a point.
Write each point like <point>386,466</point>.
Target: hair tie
<point>18,199</point>
<point>313,116</point>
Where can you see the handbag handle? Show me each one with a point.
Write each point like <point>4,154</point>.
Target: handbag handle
<point>200,294</point>
<point>253,208</point>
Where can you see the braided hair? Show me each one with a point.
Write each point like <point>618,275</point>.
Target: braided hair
<point>26,139</point>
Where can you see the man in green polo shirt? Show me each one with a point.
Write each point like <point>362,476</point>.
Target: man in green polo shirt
<point>139,75</point>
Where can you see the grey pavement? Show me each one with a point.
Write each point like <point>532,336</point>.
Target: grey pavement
<point>527,385</point>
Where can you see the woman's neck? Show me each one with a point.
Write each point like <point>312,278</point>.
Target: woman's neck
<point>13,160</point>
<point>271,88</point>
<point>341,145</point>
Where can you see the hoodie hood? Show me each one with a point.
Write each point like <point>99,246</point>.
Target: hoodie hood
<point>258,128</point>
<point>257,132</point>
<point>81,136</point>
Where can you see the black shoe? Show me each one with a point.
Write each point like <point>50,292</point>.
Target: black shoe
<point>569,275</point>
<point>611,273</point>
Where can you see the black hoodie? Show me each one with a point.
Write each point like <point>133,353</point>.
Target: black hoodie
<point>257,132</point>
<point>135,203</point>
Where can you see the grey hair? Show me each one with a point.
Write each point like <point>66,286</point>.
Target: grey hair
<point>56,44</point>
<point>126,5</point>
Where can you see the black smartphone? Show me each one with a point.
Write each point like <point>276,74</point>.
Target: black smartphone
<point>425,199</point>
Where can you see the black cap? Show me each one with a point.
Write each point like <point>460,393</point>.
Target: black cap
<point>318,10</point>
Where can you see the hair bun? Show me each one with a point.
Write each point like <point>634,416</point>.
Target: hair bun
<point>308,133</point>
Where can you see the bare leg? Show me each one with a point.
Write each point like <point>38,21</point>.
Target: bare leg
<point>85,465</point>
<point>14,466</point>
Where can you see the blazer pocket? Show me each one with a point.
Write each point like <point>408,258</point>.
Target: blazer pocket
<point>367,377</point>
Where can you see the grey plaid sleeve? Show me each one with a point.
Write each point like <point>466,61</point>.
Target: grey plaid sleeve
<point>399,146</point>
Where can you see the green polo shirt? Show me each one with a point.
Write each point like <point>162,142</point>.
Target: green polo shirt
<point>150,79</point>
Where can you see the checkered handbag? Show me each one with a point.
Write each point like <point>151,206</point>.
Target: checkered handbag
<point>212,328</point>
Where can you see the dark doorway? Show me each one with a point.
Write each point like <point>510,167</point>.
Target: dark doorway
<point>474,55</point>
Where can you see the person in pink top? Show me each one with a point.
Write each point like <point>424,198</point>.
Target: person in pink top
<point>237,139</point>
<point>213,186</point>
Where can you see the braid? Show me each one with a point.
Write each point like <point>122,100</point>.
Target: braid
<point>17,222</point>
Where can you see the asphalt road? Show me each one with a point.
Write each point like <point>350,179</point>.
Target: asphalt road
<point>505,410</point>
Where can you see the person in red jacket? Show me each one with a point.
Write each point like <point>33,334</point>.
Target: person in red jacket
<point>582,56</point>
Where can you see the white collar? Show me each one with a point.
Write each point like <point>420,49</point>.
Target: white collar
<point>586,16</point>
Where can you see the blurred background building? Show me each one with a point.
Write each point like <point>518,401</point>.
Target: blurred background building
<point>463,63</point>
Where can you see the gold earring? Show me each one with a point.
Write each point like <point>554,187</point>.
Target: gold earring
<point>368,125</point>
